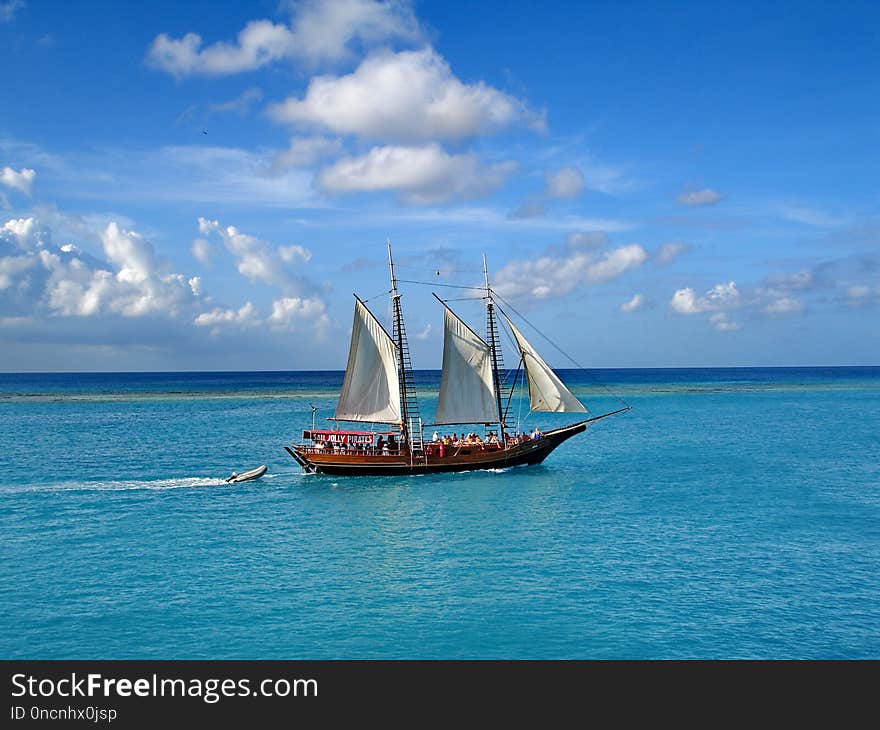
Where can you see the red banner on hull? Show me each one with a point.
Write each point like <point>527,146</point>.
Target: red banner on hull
<point>343,437</point>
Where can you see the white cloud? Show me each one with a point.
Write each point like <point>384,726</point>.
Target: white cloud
<point>292,312</point>
<point>132,282</point>
<point>637,302</point>
<point>195,284</point>
<point>320,31</point>
<point>25,233</point>
<point>684,301</point>
<point>288,313</point>
<point>419,174</point>
<point>139,285</point>
<point>306,151</point>
<point>201,250</point>
<point>720,321</point>
<point>245,316</point>
<point>719,297</point>
<point>8,10</point>
<point>706,196</point>
<point>668,252</point>
<point>290,254</point>
<point>424,333</point>
<point>408,96</point>
<point>11,267</point>
<point>259,260</point>
<point>23,180</point>
<point>566,183</point>
<point>556,275</point>
<point>784,306</point>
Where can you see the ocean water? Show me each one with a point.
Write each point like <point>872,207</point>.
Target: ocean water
<point>733,513</point>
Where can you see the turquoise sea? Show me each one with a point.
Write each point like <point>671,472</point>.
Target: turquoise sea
<point>732,513</point>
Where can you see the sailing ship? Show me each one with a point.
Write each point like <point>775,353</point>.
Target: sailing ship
<point>378,389</point>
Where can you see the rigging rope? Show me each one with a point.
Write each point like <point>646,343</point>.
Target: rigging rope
<point>376,296</point>
<point>604,387</point>
<point>437,283</point>
<point>495,294</point>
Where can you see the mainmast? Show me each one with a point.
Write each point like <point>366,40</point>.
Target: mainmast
<point>494,346</point>
<point>409,408</point>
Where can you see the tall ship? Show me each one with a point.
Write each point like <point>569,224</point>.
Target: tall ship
<point>378,391</point>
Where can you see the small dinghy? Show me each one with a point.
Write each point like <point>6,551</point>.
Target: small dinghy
<point>247,476</point>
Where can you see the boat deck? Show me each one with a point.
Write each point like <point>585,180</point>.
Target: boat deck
<point>464,457</point>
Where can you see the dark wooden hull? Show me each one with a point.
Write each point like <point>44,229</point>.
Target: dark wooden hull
<point>529,452</point>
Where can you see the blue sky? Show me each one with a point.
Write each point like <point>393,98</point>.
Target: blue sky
<point>203,185</point>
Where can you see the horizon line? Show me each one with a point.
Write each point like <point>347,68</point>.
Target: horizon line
<point>428,370</point>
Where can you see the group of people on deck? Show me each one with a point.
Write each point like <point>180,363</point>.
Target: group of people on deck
<point>441,444</point>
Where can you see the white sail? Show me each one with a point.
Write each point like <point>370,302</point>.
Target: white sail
<point>371,389</point>
<point>467,389</point>
<point>546,391</point>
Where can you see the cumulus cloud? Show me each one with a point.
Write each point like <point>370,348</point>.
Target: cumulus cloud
<point>320,31</point>
<point>424,333</point>
<point>419,174</point>
<point>565,183</point>
<point>409,96</point>
<point>722,299</point>
<point>668,252</point>
<point>637,302</point>
<point>291,313</point>
<point>23,180</point>
<point>288,314</point>
<point>706,196</point>
<point>721,322</point>
<point>557,273</point>
<point>245,316</point>
<point>25,233</point>
<point>720,296</point>
<point>306,151</point>
<point>260,261</point>
<point>131,282</point>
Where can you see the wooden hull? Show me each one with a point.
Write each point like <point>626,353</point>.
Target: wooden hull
<point>467,458</point>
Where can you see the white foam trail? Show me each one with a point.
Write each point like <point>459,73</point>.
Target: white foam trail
<point>121,485</point>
